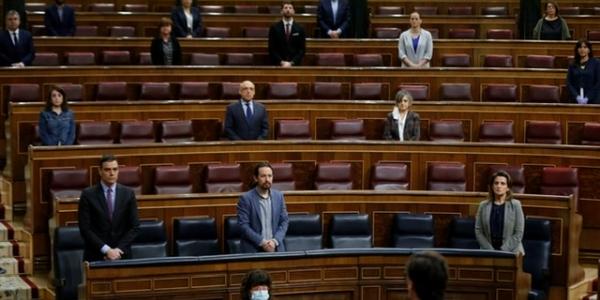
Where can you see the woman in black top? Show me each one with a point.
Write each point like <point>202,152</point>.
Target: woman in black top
<point>165,49</point>
<point>552,26</point>
<point>583,76</point>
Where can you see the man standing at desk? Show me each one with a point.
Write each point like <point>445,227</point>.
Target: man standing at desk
<point>16,45</point>
<point>287,40</point>
<point>246,119</point>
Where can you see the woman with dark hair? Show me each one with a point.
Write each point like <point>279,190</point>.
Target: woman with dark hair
<point>57,122</point>
<point>187,20</point>
<point>256,285</point>
<point>583,77</point>
<point>500,223</point>
<point>402,124</point>
<point>552,26</point>
<point>415,45</point>
<point>165,49</point>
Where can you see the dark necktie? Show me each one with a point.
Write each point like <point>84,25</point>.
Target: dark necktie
<point>15,38</point>
<point>287,31</point>
<point>109,203</point>
<point>248,111</point>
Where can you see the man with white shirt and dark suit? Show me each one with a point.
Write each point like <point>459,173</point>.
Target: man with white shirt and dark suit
<point>246,119</point>
<point>16,45</point>
<point>287,40</point>
<point>59,19</point>
<point>333,17</point>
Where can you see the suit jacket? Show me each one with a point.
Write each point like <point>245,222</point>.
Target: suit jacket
<point>412,127</point>
<point>54,26</point>
<point>588,78</point>
<point>250,223</point>
<point>157,54</point>
<point>342,18</point>
<point>514,224</point>
<point>97,229</point>
<point>280,48</point>
<point>237,127</point>
<point>180,28</point>
<point>23,52</point>
<point>424,47</point>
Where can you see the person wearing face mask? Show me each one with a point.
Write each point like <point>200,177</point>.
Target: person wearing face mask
<point>256,285</point>
<point>402,124</point>
<point>583,77</point>
<point>57,122</point>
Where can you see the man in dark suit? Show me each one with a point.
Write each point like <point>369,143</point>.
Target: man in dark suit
<point>187,21</point>
<point>16,45</point>
<point>108,216</point>
<point>59,19</point>
<point>287,40</point>
<point>333,17</point>
<point>262,215</point>
<point>246,119</point>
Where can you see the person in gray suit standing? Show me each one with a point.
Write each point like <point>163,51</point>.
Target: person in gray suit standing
<point>402,124</point>
<point>500,223</point>
<point>246,119</point>
<point>415,45</point>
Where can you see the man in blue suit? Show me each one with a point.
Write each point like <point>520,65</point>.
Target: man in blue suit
<point>59,19</point>
<point>246,119</point>
<point>333,17</point>
<point>16,45</point>
<point>262,214</point>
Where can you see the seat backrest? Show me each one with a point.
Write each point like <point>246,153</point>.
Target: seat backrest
<point>282,90</point>
<point>73,92</point>
<point>193,90</point>
<point>516,173</point>
<point>498,61</point>
<point>121,31</point>
<point>542,93</point>
<point>537,241</point>
<point>114,90</point>
<point>101,7</point>
<point>239,59</point>
<point>334,176</point>
<point>232,236</point>
<point>351,129</point>
<point>204,59</point>
<point>45,59</point>
<point>426,10</point>
<point>195,237</point>
<point>80,58</point>
<point>172,180</point>
<point>86,30</point>
<point>562,181</point>
<point>543,132</point>
<point>456,60</point>
<point>417,91</point>
<point>327,90</point>
<point>135,7</point>
<point>68,259</point>
<point>462,234</point>
<point>24,92</point>
<point>283,177</point>
<point>539,61</point>
<point>591,133</point>
<point>462,33</point>
<point>217,32</point>
<point>368,60</point>
<point>386,32</point>
<point>413,231</point>
<point>67,183</point>
<point>390,176</point>
<point>94,133</point>
<point>593,35</point>
<point>116,57</point>
<point>130,177</point>
<point>255,32</point>
<point>136,132</point>
<point>367,91</point>
<point>350,231</point>
<point>156,91</point>
<point>177,131</point>
<point>230,90</point>
<point>212,8</point>
<point>500,92</point>
<point>292,130</point>
<point>151,240</point>
<point>390,10</point>
<point>446,131</point>
<point>570,10</point>
<point>495,10</point>
<point>496,132</point>
<point>304,233</point>
<point>446,176</point>
<point>500,34</point>
<point>460,10</point>
<point>223,178</point>
<point>456,91</point>
<point>331,59</point>
<point>245,9</point>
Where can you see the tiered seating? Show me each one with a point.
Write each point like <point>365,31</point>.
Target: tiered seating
<point>151,240</point>
<point>195,237</point>
<point>350,231</point>
<point>413,231</point>
<point>304,233</point>
<point>446,176</point>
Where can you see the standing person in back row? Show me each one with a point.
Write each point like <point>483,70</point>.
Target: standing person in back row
<point>415,45</point>
<point>16,45</point>
<point>287,40</point>
<point>187,20</point>
<point>333,18</point>
<point>246,119</point>
<point>583,77</point>
<point>59,19</point>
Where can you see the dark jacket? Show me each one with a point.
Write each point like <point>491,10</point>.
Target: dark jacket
<point>23,52</point>
<point>412,127</point>
<point>325,18</point>
<point>237,127</point>
<point>588,78</point>
<point>282,49</point>
<point>56,27</point>
<point>180,28</point>
<point>157,54</point>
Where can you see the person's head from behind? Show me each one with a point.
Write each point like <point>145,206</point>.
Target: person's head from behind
<point>551,9</point>
<point>415,20</point>
<point>13,20</point>
<point>247,90</point>
<point>287,9</point>
<point>583,50</point>
<point>109,169</point>
<point>256,285</point>
<point>404,100</point>
<point>499,186</point>
<point>263,176</point>
<point>165,26</point>
<point>426,276</point>
<point>58,98</point>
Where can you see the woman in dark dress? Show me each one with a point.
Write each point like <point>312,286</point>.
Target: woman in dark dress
<point>165,49</point>
<point>583,77</point>
<point>187,21</point>
<point>552,26</point>
<point>57,122</point>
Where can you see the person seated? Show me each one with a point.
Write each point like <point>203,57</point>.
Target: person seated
<point>16,45</point>
<point>552,26</point>
<point>402,124</point>
<point>57,121</point>
<point>59,19</point>
<point>287,40</point>
<point>415,45</point>
<point>165,49</point>
<point>333,18</point>
<point>583,76</point>
<point>187,20</point>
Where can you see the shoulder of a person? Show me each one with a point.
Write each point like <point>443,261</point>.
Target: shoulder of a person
<point>124,188</point>
<point>414,114</point>
<point>515,202</point>
<point>484,202</point>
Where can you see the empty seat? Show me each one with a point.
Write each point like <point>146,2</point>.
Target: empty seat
<point>73,92</point>
<point>232,235</point>
<point>193,90</point>
<point>223,178</point>
<point>80,58</point>
<point>217,32</point>
<point>138,7</point>
<point>23,92</point>
<point>145,58</point>
<point>495,10</point>
<point>368,60</point>
<point>212,9</point>
<point>327,90</point>
<point>500,92</point>
<point>151,240</point>
<point>435,33</point>
<point>539,61</point>
<point>94,133</point>
<point>35,6</point>
<point>537,243</point>
<point>570,10</point>
<point>386,32</point>
<point>541,93</point>
<point>456,91</point>
<point>334,176</point>
<point>255,32</point>
<point>331,59</point>
<point>68,183</point>
<point>426,10</point>
<point>136,132</point>
<point>304,233</point>
<point>351,129</point>
<point>130,177</point>
<point>562,181</point>
<point>462,33</point>
<point>417,91</point>
<point>591,133</point>
<point>274,9</point>
<point>283,174</point>
<point>230,90</point>
<point>292,130</point>
<point>68,255</point>
<point>86,30</point>
<point>45,59</point>
<point>101,7</point>
<point>172,180</point>
<point>195,237</point>
<point>38,30</point>
<point>543,132</point>
<point>245,9</point>
<point>310,9</point>
<point>121,57</point>
<point>156,91</point>
<point>498,61</point>
<point>413,231</point>
<point>462,234</point>
<point>239,59</point>
<point>446,131</point>
<point>593,35</point>
<point>460,10</point>
<point>282,90</point>
<point>204,59</point>
<point>121,31</point>
<point>446,176</point>
<point>367,91</point>
<point>390,10</point>
<point>456,60</point>
<point>496,132</point>
<point>516,173</point>
<point>116,90</point>
<point>177,131</point>
<point>501,34</point>
<point>390,176</point>
<point>350,231</point>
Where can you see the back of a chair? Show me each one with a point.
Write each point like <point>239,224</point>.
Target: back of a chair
<point>177,131</point>
<point>351,129</point>
<point>282,90</point>
<point>193,90</point>
<point>543,132</point>
<point>68,258</point>
<point>130,177</point>
<point>500,92</point>
<point>542,93</point>
<point>591,133</point>
<point>327,90</point>
<point>304,233</point>
<point>390,176</point>
<point>156,91</point>
<point>539,61</point>
<point>498,61</point>
<point>204,59</point>
<point>173,180</point>
<point>80,58</point>
<point>413,231</point>
<point>24,92</point>
<point>562,181</point>
<point>232,235</point>
<point>239,59</point>
<point>417,91</point>
<point>195,237</point>
<point>94,133</point>
<point>73,92</point>
<point>45,59</point>
<point>446,131</point>
<point>137,132</point>
<point>503,34</point>
<point>292,130</point>
<point>111,90</point>
<point>462,234</point>
<point>350,231</point>
<point>151,240</point>
<point>446,176</point>
<point>456,60</point>
<point>283,177</point>
<point>68,183</point>
<point>334,176</point>
<point>496,132</point>
<point>456,91</point>
<point>367,91</point>
<point>223,178</point>
<point>331,59</point>
<point>368,60</point>
<point>116,57</point>
<point>537,241</point>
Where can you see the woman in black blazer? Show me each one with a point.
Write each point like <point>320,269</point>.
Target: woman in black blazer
<point>165,49</point>
<point>187,21</point>
<point>402,119</point>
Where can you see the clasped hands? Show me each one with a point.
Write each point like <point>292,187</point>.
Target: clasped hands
<point>113,254</point>
<point>268,245</point>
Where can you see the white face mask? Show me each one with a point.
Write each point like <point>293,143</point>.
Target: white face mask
<point>260,295</point>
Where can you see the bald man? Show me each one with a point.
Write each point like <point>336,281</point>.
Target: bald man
<point>246,119</point>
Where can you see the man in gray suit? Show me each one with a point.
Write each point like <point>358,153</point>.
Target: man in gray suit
<point>246,119</point>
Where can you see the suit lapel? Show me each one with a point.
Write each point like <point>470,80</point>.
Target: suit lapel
<point>102,200</point>
<point>486,220</point>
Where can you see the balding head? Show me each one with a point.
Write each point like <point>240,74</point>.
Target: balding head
<point>247,90</point>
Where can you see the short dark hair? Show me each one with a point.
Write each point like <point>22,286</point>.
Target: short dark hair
<point>554,4</point>
<point>64,106</point>
<point>428,272</point>
<point>107,158</point>
<point>284,2</point>
<point>509,183</point>
<point>252,279</point>
<point>262,165</point>
<point>164,21</point>
<point>577,60</point>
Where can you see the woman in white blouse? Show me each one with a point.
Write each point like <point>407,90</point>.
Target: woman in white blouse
<point>415,45</point>
<point>402,124</point>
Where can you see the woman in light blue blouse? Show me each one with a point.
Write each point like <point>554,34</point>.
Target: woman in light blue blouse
<point>57,122</point>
